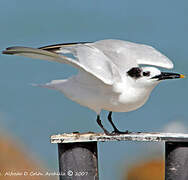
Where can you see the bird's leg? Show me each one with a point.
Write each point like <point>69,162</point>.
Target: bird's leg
<point>100,124</point>
<point>111,122</point>
<point>116,131</point>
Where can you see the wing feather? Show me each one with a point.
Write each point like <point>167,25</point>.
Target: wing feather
<point>91,57</point>
<point>129,54</point>
<point>123,54</point>
<point>51,56</point>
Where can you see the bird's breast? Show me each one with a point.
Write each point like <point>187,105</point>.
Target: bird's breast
<point>129,99</point>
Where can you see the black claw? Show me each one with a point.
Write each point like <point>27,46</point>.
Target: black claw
<point>75,132</point>
<point>117,132</point>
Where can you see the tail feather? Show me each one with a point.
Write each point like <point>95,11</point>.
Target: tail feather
<point>54,84</point>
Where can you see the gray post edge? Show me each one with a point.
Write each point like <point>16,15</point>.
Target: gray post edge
<point>78,161</point>
<point>176,161</point>
<point>101,137</point>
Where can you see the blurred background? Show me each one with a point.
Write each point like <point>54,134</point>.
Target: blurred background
<point>30,115</point>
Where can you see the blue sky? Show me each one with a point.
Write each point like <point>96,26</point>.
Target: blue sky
<point>33,114</point>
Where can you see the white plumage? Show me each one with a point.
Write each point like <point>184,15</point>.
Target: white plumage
<point>109,73</point>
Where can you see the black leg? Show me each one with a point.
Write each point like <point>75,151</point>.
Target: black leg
<point>111,122</point>
<point>116,131</point>
<point>100,124</point>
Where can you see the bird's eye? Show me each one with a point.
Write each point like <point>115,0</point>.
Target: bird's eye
<point>146,73</point>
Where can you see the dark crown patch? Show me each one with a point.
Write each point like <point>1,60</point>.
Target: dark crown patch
<point>135,72</point>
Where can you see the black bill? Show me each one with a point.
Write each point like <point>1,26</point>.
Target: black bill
<point>165,75</point>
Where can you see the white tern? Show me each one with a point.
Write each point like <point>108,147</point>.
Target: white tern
<point>109,73</point>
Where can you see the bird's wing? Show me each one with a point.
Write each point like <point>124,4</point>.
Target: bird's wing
<point>123,54</point>
<point>89,56</point>
<point>104,72</point>
<point>128,54</point>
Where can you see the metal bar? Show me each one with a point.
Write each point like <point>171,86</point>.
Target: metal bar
<point>176,160</point>
<point>78,161</point>
<point>91,137</point>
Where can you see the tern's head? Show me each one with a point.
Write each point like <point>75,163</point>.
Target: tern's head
<point>150,76</point>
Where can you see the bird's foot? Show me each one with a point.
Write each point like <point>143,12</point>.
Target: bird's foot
<point>76,132</point>
<point>108,133</point>
<point>117,132</point>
